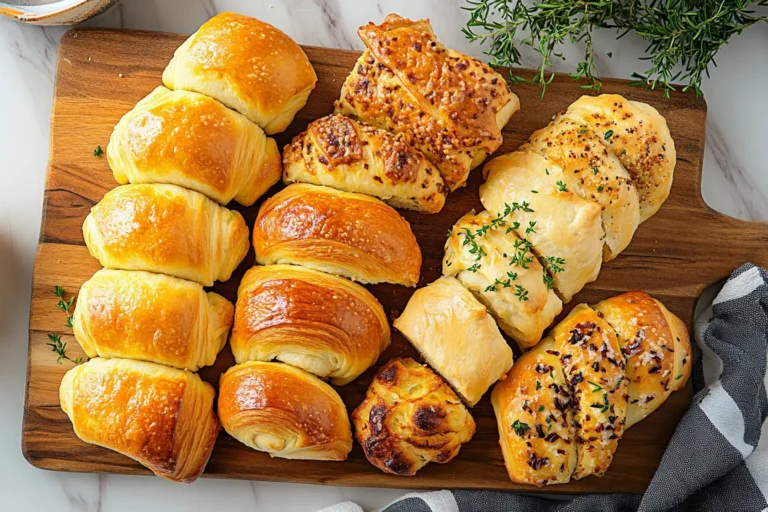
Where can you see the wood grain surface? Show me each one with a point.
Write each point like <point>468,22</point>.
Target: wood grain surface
<point>102,74</point>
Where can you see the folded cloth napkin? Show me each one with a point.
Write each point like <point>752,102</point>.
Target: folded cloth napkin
<point>717,459</point>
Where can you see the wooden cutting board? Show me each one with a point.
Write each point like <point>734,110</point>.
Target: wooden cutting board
<point>101,74</point>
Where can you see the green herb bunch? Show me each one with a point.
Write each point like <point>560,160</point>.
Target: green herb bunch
<point>681,34</point>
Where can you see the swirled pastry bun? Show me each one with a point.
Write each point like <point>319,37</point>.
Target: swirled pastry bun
<point>151,317</point>
<point>457,337</point>
<point>246,64</point>
<point>188,139</point>
<point>324,324</point>
<point>347,155</point>
<point>410,417</point>
<point>168,230</point>
<point>284,411</point>
<point>351,235</point>
<point>159,416</point>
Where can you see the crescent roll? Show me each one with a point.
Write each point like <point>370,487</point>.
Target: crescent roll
<point>284,411</point>
<point>638,135</point>
<point>187,139</point>
<point>152,317</point>
<point>487,257</point>
<point>246,64</point>
<point>565,230</point>
<point>457,337</point>
<point>168,230</point>
<point>452,106</point>
<point>347,155</point>
<point>410,417</point>
<point>321,323</point>
<point>352,235</point>
<point>159,416</point>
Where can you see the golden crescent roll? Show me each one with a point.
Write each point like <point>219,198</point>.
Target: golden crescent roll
<point>347,155</point>
<point>246,64</point>
<point>187,139</point>
<point>639,136</point>
<point>651,349</point>
<point>321,323</point>
<point>486,256</point>
<point>151,317</point>
<point>284,411</point>
<point>565,229</point>
<point>410,417</point>
<point>168,230</point>
<point>457,337</point>
<point>593,173</point>
<point>535,418</point>
<point>352,235</point>
<point>159,416</point>
<point>452,106</point>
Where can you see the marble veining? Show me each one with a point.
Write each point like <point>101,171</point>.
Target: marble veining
<point>735,182</point>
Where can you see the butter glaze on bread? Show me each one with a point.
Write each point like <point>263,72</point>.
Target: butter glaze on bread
<point>246,64</point>
<point>151,317</point>
<point>451,105</point>
<point>410,417</point>
<point>284,411</point>
<point>168,230</point>
<point>347,155</point>
<point>352,235</point>
<point>188,139</point>
<point>159,416</point>
<point>321,323</point>
<point>457,337</point>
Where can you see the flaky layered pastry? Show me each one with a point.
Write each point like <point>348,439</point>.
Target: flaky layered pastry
<point>457,337</point>
<point>246,64</point>
<point>352,235</point>
<point>168,230</point>
<point>324,324</point>
<point>284,411</point>
<point>452,106</point>
<point>151,317</point>
<point>188,139</point>
<point>355,157</point>
<point>159,416</point>
<point>410,417</point>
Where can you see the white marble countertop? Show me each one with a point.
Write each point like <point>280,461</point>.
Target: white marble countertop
<point>735,182</point>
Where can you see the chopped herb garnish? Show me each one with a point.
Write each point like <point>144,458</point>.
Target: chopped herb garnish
<point>608,134</point>
<point>679,377</point>
<point>520,428</point>
<point>535,191</point>
<point>596,387</point>
<point>594,170</point>
<point>561,186</point>
<point>531,227</point>
<point>538,385</point>
<point>541,408</point>
<point>98,151</point>
<point>600,188</point>
<point>623,152</point>
<point>548,279</point>
<point>618,384</point>
<point>546,171</point>
<point>474,268</point>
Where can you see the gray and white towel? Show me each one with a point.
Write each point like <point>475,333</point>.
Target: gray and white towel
<point>717,459</point>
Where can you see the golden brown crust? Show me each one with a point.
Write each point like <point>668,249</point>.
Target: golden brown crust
<point>151,317</point>
<point>352,235</point>
<point>246,64</point>
<point>159,416</point>
<point>166,229</point>
<point>324,324</point>
<point>409,418</point>
<point>347,155</point>
<point>285,411</point>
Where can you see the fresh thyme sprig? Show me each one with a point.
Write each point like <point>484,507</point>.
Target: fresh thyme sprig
<point>57,345</point>
<point>63,304</point>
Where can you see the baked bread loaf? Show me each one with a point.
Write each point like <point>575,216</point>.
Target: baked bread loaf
<point>321,323</point>
<point>159,416</point>
<point>410,417</point>
<point>151,317</point>
<point>638,135</point>
<point>347,155</point>
<point>498,267</point>
<point>284,411</point>
<point>352,235</point>
<point>246,64</point>
<point>187,139</point>
<point>168,230</point>
<point>457,337</point>
<point>452,106</point>
<point>529,191</point>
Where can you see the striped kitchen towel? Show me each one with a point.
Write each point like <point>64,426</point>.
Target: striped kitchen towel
<point>717,459</point>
